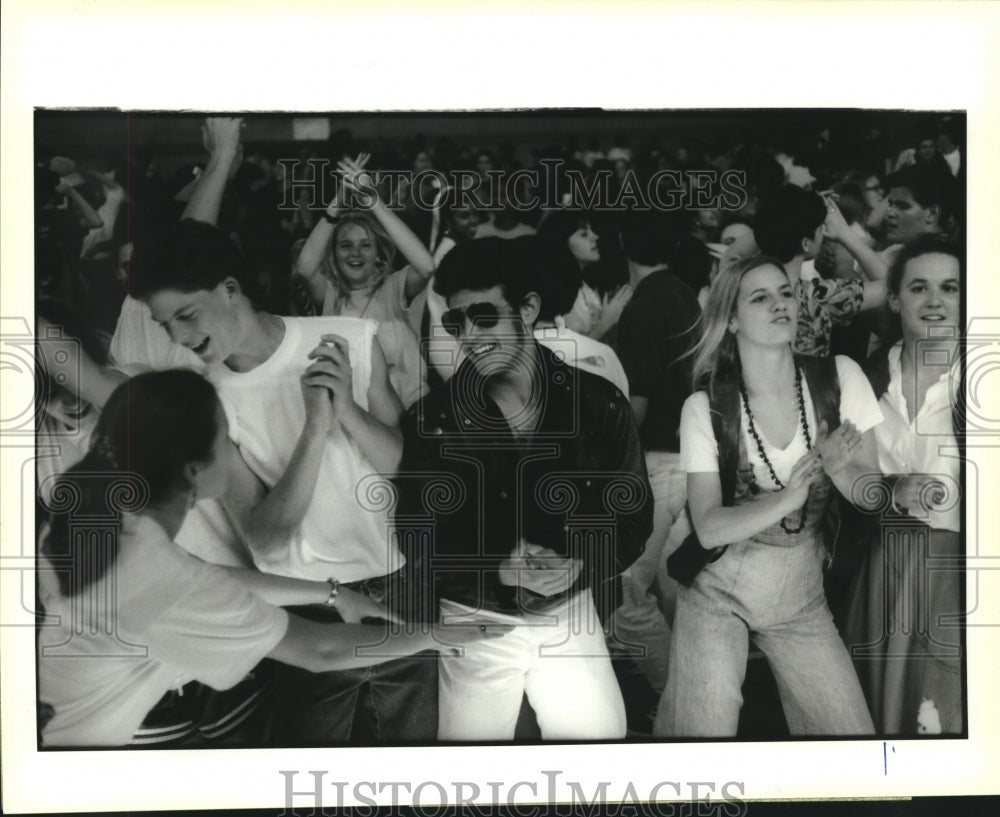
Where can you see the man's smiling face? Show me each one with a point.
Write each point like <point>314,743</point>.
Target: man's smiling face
<point>205,321</point>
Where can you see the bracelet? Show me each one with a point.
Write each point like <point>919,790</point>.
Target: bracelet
<point>331,219</point>
<point>331,600</point>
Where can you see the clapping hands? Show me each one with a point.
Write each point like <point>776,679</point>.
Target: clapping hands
<point>358,180</point>
<point>836,449</point>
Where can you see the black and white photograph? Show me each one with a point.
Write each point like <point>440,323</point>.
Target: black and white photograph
<point>387,453</point>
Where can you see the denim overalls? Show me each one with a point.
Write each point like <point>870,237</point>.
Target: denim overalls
<point>770,587</point>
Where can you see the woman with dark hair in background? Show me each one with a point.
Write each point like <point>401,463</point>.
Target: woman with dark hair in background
<point>136,615</point>
<point>908,651</point>
<point>592,314</point>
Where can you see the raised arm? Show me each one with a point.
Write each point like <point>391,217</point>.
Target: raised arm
<point>421,263</point>
<point>84,377</point>
<point>108,212</point>
<point>309,263</point>
<point>221,136</point>
<point>90,217</point>
<point>872,264</point>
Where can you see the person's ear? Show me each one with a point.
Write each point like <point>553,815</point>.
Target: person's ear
<point>933,215</point>
<point>231,288</point>
<point>530,307</point>
<point>732,326</point>
<point>192,470</point>
<point>893,301</point>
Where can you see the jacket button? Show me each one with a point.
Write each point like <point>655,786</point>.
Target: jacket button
<point>503,494</point>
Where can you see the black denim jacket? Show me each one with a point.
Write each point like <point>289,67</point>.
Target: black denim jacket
<point>469,489</point>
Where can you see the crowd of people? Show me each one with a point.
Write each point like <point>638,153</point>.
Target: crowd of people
<point>501,452</point>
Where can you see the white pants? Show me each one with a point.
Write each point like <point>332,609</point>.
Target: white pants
<point>558,658</point>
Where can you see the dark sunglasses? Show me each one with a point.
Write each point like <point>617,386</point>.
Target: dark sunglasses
<point>484,315</point>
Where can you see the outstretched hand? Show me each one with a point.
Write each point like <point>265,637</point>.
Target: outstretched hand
<point>221,134</point>
<point>835,226</point>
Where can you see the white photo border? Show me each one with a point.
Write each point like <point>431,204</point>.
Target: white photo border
<point>312,56</point>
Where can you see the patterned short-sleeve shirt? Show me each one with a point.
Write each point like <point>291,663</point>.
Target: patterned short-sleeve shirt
<point>823,303</point>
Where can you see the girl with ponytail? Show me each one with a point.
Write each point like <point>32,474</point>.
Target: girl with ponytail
<point>132,615</point>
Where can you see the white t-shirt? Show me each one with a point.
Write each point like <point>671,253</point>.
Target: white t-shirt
<point>584,353</point>
<point>342,536</point>
<point>700,451</point>
<point>175,619</point>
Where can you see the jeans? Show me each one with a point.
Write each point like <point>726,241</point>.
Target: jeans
<point>558,658</point>
<point>773,593</point>
<point>394,702</point>
<point>639,627</point>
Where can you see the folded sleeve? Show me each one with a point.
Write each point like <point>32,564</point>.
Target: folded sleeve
<point>857,400</point>
<point>699,449</point>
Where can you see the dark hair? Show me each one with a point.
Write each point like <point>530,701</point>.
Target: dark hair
<point>931,186</point>
<point>559,225</point>
<point>46,182</point>
<point>850,201</point>
<point>188,257</point>
<point>649,236</point>
<point>482,264</point>
<point>149,430</point>
<point>921,245</point>
<point>691,261</point>
<point>552,271</point>
<point>785,218</point>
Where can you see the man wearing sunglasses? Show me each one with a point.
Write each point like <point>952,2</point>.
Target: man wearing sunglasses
<point>522,496</point>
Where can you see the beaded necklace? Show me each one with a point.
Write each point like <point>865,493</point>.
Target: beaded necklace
<point>760,443</point>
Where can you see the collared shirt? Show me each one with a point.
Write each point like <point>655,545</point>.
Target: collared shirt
<point>473,489</point>
<point>927,444</point>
